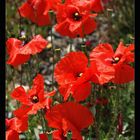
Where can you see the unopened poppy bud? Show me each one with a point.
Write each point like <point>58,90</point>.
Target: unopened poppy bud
<point>105,101</point>
<point>88,43</point>
<point>101,101</point>
<point>89,105</point>
<point>120,123</point>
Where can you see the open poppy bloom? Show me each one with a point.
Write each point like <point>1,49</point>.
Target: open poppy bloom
<point>35,100</point>
<point>69,116</point>
<point>120,61</point>
<point>19,53</point>
<point>15,126</point>
<point>73,76</point>
<point>37,11</point>
<point>74,19</point>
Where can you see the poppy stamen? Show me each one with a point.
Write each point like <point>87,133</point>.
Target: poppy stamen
<point>79,74</point>
<point>35,99</point>
<point>115,60</point>
<point>76,16</point>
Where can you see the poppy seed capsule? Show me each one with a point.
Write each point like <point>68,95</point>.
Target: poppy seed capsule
<point>35,99</point>
<point>76,16</point>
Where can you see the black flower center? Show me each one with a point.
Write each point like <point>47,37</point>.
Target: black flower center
<point>76,16</point>
<point>35,99</point>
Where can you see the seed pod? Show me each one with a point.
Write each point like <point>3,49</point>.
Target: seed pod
<point>120,123</point>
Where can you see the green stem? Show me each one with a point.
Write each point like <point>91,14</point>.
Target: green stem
<point>53,58</point>
<point>70,46</point>
<point>21,73</point>
<point>29,72</point>
<point>90,132</point>
<point>38,63</point>
<point>41,117</point>
<point>115,113</point>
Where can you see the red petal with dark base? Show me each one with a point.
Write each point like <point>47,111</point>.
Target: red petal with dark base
<point>70,116</point>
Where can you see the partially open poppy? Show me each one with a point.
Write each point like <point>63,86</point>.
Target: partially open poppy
<point>19,53</point>
<point>37,11</point>
<point>117,62</point>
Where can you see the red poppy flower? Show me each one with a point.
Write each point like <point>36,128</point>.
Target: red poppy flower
<point>20,53</point>
<point>69,116</point>
<point>74,19</point>
<point>34,100</point>
<point>117,63</point>
<point>73,76</point>
<point>37,11</point>
<point>15,126</point>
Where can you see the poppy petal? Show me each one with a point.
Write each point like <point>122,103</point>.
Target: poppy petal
<point>67,68</point>
<point>58,135</point>
<point>36,11</point>
<point>16,59</point>
<point>43,136</point>
<point>71,114</point>
<point>26,11</point>
<point>97,5</point>
<point>23,110</point>
<point>20,95</point>
<point>82,92</point>
<point>12,134</point>
<point>12,44</point>
<point>36,45</point>
<point>124,74</point>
